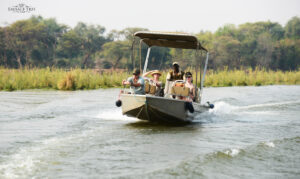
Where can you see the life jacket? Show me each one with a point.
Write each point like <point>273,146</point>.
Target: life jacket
<point>178,76</point>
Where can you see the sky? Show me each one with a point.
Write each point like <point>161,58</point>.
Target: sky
<point>189,16</point>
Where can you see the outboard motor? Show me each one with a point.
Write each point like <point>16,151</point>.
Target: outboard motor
<point>211,106</point>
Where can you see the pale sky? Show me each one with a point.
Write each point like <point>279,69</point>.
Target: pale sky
<point>190,16</point>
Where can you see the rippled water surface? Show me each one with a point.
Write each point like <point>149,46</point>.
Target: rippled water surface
<point>253,132</point>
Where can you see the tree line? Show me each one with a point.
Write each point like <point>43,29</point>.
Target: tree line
<point>40,42</point>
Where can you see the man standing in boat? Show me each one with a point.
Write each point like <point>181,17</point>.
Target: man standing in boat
<point>175,74</point>
<point>136,82</point>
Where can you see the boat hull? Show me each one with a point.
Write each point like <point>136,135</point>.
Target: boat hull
<point>159,109</point>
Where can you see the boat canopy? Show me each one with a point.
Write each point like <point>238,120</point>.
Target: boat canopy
<point>170,39</point>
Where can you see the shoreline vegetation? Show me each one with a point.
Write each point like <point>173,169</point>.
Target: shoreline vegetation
<point>85,79</point>
<point>44,42</point>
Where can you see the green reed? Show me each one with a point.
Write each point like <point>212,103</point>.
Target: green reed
<point>81,79</point>
<point>59,79</point>
<point>250,77</point>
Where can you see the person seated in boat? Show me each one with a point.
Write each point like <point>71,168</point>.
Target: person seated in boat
<point>189,84</point>
<point>155,81</point>
<point>176,73</point>
<point>136,82</point>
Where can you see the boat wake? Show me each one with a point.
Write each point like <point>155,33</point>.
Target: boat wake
<point>224,111</point>
<point>228,162</point>
<point>222,107</point>
<point>114,114</point>
<point>46,155</point>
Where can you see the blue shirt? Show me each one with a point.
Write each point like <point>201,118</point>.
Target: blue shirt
<point>140,89</point>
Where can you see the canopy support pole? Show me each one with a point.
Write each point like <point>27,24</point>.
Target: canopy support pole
<point>141,54</point>
<point>132,54</point>
<point>196,64</point>
<point>203,77</point>
<point>146,62</point>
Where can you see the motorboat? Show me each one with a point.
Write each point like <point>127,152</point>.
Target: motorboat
<point>169,108</point>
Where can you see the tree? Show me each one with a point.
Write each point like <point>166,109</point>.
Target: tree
<point>24,36</point>
<point>16,41</point>
<point>227,52</point>
<point>185,57</point>
<point>253,30</point>
<point>92,39</point>
<point>286,55</point>
<point>115,51</point>
<point>276,31</point>
<point>206,39</point>
<point>44,42</point>
<point>292,28</point>
<point>69,45</point>
<point>3,57</point>
<point>54,31</point>
<point>159,58</point>
<point>264,50</point>
<point>226,30</point>
<point>127,34</point>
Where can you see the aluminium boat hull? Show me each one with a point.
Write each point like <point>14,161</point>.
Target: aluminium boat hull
<point>159,109</point>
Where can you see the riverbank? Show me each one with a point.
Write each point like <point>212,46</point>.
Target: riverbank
<point>79,79</point>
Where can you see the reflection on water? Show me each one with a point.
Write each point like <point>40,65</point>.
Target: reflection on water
<point>153,127</point>
<point>251,133</point>
<point>160,125</point>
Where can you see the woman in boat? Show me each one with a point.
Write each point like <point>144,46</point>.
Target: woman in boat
<point>155,80</point>
<point>190,85</point>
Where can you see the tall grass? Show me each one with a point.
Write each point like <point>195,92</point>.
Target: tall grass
<point>78,79</point>
<point>250,77</point>
<point>59,79</point>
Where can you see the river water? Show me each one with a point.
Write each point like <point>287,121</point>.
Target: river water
<point>253,132</point>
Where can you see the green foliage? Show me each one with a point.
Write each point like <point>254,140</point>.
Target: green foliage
<point>292,28</point>
<point>69,45</point>
<point>91,38</point>
<point>39,42</point>
<point>127,33</point>
<point>227,52</point>
<point>159,58</point>
<point>206,39</point>
<point>286,55</point>
<point>227,30</point>
<point>115,51</point>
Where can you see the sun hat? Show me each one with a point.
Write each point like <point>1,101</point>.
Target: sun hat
<point>156,72</point>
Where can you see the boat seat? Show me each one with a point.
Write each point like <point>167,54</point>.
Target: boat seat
<point>149,89</point>
<point>178,89</point>
<point>147,86</point>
